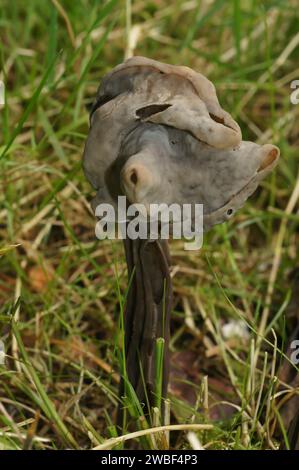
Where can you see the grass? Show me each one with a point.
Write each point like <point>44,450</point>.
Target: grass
<point>61,291</point>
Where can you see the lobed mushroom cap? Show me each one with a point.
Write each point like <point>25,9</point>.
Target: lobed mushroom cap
<point>144,90</point>
<point>164,165</point>
<point>158,135</point>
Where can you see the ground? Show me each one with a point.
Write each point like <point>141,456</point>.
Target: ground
<point>61,290</point>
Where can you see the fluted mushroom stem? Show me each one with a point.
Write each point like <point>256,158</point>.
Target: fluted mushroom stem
<point>147,318</point>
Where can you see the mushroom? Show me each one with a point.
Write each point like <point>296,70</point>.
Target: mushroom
<point>159,135</point>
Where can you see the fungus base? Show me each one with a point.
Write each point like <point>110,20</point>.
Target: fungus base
<point>147,318</point>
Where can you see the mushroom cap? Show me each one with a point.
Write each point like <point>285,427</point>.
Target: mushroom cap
<point>158,135</point>
<point>189,95</point>
<point>170,166</point>
<point>144,90</point>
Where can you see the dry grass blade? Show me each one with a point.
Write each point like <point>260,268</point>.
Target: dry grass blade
<point>173,427</point>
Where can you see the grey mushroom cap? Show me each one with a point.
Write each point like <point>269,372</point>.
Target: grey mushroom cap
<point>158,135</point>
<point>172,95</point>
<point>144,90</point>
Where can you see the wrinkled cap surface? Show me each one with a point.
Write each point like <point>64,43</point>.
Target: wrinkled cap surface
<point>159,135</point>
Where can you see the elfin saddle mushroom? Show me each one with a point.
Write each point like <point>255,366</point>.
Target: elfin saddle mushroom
<point>159,135</point>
